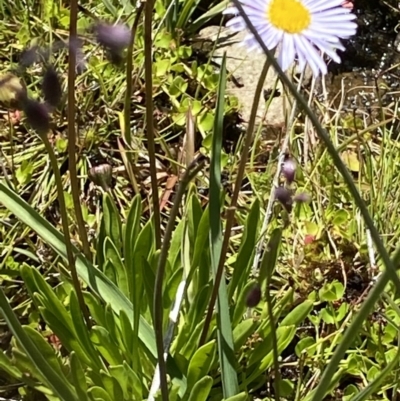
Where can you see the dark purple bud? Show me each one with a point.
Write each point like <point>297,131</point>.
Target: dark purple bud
<point>113,37</point>
<point>51,87</point>
<point>37,115</point>
<point>289,170</point>
<point>101,175</point>
<point>302,197</point>
<point>253,296</point>
<point>284,196</point>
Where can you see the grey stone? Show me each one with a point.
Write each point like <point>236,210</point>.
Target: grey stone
<point>246,68</point>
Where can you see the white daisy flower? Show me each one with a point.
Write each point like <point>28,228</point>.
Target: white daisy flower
<point>303,28</point>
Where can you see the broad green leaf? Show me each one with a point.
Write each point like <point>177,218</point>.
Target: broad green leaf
<point>112,221</point>
<point>24,172</point>
<point>306,343</point>
<point>201,389</point>
<point>56,315</point>
<point>99,242</point>
<point>224,328</point>
<point>128,380</point>
<point>82,332</point>
<point>331,291</point>
<point>45,349</point>
<point>37,284</point>
<point>198,307</point>
<point>298,314</point>
<point>200,245</point>
<point>247,246</point>
<point>7,366</point>
<point>132,230</point>
<point>175,248</point>
<point>189,348</point>
<point>241,304</point>
<point>284,337</point>
<point>67,338</point>
<point>112,386</point>
<point>113,328</point>
<point>270,256</point>
<point>78,377</point>
<point>96,280</point>
<point>127,332</point>
<point>99,394</point>
<point>243,331</point>
<point>57,383</point>
<point>96,308</point>
<point>200,364</point>
<point>108,349</point>
<point>171,287</point>
<point>238,397</point>
<point>112,255</point>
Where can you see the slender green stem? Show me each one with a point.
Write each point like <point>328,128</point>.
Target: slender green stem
<point>148,63</point>
<point>190,173</point>
<point>232,208</point>
<point>14,178</point>
<point>64,221</point>
<point>274,339</point>
<point>71,131</point>
<point>331,149</point>
<point>128,94</point>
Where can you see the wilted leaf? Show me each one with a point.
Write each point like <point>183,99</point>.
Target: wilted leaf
<point>12,91</point>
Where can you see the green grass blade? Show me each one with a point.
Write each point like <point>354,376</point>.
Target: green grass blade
<point>94,278</point>
<point>59,385</point>
<point>225,337</point>
<point>205,17</point>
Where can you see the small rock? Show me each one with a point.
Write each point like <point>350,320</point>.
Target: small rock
<point>246,68</point>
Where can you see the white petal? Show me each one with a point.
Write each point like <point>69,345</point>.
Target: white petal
<point>287,52</point>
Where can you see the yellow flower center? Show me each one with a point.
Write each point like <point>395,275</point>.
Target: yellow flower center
<point>289,15</point>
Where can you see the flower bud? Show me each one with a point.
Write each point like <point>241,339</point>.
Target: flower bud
<point>284,196</point>
<point>101,175</point>
<point>113,37</point>
<point>37,115</point>
<point>289,170</point>
<point>253,296</point>
<point>51,87</point>
<point>302,197</point>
